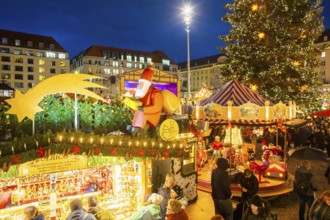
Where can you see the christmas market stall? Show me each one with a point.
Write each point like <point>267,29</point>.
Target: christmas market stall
<point>50,169</point>
<point>234,108</point>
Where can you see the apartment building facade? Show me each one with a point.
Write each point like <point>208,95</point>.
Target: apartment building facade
<point>110,63</point>
<point>204,71</point>
<point>27,59</point>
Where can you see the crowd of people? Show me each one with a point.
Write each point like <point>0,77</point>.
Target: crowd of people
<point>252,207</point>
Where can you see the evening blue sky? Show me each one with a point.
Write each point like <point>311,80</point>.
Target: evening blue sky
<point>145,25</point>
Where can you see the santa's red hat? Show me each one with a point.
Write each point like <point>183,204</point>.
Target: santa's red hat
<point>147,74</point>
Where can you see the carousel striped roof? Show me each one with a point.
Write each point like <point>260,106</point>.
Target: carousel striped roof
<point>235,92</point>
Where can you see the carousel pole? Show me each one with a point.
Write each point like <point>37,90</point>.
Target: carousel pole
<point>285,145</point>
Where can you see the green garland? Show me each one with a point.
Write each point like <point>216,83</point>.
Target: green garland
<point>29,148</point>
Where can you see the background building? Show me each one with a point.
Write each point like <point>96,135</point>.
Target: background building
<point>110,63</point>
<point>203,72</point>
<point>27,59</point>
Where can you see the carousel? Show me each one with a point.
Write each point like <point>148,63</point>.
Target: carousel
<point>230,110</point>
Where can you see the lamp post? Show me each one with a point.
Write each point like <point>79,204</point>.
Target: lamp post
<point>187,11</point>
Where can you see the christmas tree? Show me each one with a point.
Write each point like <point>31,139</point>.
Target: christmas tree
<point>271,47</point>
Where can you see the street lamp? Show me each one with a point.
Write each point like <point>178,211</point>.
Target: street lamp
<point>187,12</point>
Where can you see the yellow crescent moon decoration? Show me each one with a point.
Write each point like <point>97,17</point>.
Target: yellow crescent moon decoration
<point>27,105</point>
<point>169,129</point>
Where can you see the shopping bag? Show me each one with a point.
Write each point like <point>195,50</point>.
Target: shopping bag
<point>138,119</point>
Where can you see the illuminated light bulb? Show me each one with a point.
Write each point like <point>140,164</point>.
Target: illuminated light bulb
<point>254,87</point>
<point>173,145</point>
<point>137,143</point>
<point>153,143</point>
<point>160,145</point>
<point>261,35</point>
<point>281,174</point>
<point>168,146</point>
<point>296,63</point>
<point>144,144</point>
<point>71,139</point>
<point>180,145</point>
<point>81,140</point>
<point>254,7</point>
<point>91,140</point>
<point>268,173</point>
<point>61,138</point>
<point>129,143</point>
<point>111,141</point>
<point>119,142</point>
<point>101,140</point>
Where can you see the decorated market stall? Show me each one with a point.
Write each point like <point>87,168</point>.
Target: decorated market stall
<point>51,169</point>
<point>234,106</point>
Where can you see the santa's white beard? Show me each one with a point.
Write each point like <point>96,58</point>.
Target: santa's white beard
<point>142,89</point>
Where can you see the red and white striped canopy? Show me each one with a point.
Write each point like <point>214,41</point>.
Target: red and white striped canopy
<point>235,92</point>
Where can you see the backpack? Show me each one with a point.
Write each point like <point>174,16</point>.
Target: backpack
<point>301,183</point>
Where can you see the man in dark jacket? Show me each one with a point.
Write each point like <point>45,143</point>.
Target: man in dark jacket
<point>249,185</point>
<point>303,174</point>
<point>221,193</point>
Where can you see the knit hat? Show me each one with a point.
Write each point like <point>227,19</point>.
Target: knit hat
<point>155,198</point>
<point>256,200</point>
<point>177,189</point>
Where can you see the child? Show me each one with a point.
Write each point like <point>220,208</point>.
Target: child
<point>216,147</point>
<point>177,193</point>
<point>175,211</point>
<point>151,210</point>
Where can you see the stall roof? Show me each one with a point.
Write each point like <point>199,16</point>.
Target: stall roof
<point>235,92</point>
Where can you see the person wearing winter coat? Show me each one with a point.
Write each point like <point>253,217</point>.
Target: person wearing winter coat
<point>77,211</point>
<point>100,214</point>
<point>165,192</point>
<point>177,193</point>
<point>32,213</point>
<point>175,211</point>
<point>221,193</point>
<point>320,209</point>
<point>306,197</point>
<point>150,210</point>
<point>249,185</point>
<point>258,210</point>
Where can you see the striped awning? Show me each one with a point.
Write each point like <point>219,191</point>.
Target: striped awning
<point>235,92</point>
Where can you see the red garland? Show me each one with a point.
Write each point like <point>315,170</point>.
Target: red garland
<point>41,152</point>
<point>16,159</point>
<point>166,154</point>
<point>98,150</point>
<point>141,153</point>
<point>180,154</point>
<point>153,152</point>
<point>113,151</point>
<point>75,149</point>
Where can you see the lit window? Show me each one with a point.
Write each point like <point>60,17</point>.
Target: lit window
<point>41,62</point>
<point>115,71</point>
<point>135,58</point>
<point>140,66</point>
<point>166,62</point>
<point>107,71</point>
<point>325,38</point>
<point>141,59</point>
<point>129,65</point>
<point>17,42</point>
<point>62,64</point>
<point>41,70</point>
<point>323,54</point>
<point>29,44</point>
<point>42,78</point>
<point>149,60</point>
<point>17,51</point>
<point>115,63</point>
<point>129,58</point>
<point>4,40</point>
<point>61,56</point>
<point>50,54</point>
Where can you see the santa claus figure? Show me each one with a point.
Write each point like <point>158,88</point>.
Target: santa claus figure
<point>151,99</point>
